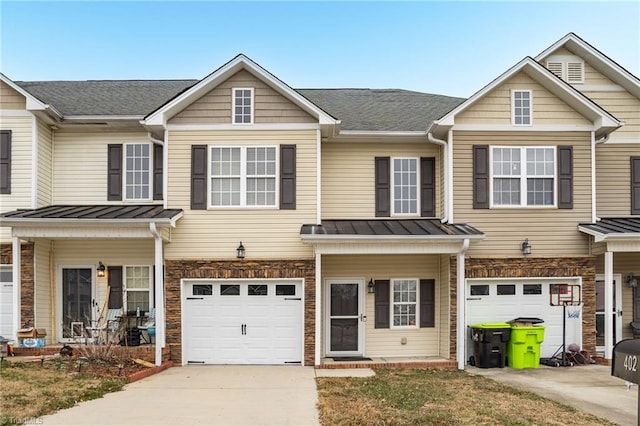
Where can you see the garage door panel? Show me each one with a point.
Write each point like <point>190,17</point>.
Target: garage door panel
<point>501,308</point>
<point>246,323</point>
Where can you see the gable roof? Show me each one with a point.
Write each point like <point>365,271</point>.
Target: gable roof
<point>161,115</point>
<point>33,103</point>
<point>604,121</point>
<point>596,59</point>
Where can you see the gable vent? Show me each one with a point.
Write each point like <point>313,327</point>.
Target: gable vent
<point>575,72</point>
<point>555,67</point>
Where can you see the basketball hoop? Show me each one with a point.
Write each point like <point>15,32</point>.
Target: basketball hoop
<point>566,295</point>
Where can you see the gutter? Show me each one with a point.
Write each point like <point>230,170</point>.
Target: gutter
<point>447,175</point>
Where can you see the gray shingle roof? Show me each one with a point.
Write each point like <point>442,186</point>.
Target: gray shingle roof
<point>358,109</point>
<point>106,97</point>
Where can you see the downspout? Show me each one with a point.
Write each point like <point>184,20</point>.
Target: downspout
<point>461,304</point>
<point>594,201</point>
<point>154,140</point>
<point>445,158</point>
<point>159,293</point>
<point>34,165</point>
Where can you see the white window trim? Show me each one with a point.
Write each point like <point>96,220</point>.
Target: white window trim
<point>243,179</point>
<point>523,178</point>
<point>124,173</point>
<point>233,106</point>
<point>513,107</point>
<point>392,304</point>
<point>126,290</point>
<point>418,182</point>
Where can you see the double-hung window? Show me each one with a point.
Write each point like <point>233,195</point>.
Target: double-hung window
<point>137,163</point>
<point>523,176</point>
<point>405,186</point>
<point>243,176</point>
<point>242,106</point>
<point>521,107</point>
<point>137,282</point>
<point>404,303</point>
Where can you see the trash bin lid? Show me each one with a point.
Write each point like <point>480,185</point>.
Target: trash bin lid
<point>526,319</point>
<point>492,325</point>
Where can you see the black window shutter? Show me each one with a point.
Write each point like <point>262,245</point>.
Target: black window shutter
<point>382,303</point>
<point>427,303</point>
<point>5,162</point>
<point>114,167</point>
<point>480,176</point>
<point>428,186</point>
<point>383,186</point>
<point>635,185</point>
<point>288,177</point>
<point>114,278</point>
<point>198,177</point>
<point>157,172</point>
<point>565,177</point>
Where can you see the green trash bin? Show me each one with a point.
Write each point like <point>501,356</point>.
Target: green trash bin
<point>523,349</point>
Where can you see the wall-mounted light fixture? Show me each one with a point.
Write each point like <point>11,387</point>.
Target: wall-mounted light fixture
<point>371,287</point>
<point>526,247</point>
<point>240,251</point>
<point>101,270</point>
<point>632,281</point>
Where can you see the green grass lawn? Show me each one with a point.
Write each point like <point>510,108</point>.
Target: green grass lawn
<point>437,397</point>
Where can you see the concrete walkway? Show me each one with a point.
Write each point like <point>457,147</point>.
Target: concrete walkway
<point>205,395</point>
<point>589,388</point>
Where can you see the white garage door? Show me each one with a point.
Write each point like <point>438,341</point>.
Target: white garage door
<point>500,301</point>
<point>6,301</point>
<point>243,323</point>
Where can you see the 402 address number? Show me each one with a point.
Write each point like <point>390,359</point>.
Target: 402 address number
<point>630,363</point>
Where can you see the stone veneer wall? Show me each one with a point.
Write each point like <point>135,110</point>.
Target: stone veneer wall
<point>27,288</point>
<point>584,267</point>
<point>176,270</point>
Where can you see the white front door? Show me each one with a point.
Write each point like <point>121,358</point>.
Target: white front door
<point>345,317</point>
<point>6,301</point>
<point>615,311</point>
<point>232,322</point>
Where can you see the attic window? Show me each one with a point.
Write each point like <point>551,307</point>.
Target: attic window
<point>242,106</point>
<point>570,70</point>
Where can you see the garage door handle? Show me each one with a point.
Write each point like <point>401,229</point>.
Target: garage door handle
<point>243,329</point>
<point>474,298</point>
<point>293,298</point>
<point>195,298</point>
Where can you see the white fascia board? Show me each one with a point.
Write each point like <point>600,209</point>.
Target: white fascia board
<point>32,103</point>
<point>355,136</point>
<point>136,118</point>
<point>596,59</point>
<point>383,247</point>
<point>29,232</point>
<point>167,111</point>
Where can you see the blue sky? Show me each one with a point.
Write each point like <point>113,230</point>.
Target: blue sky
<point>451,48</point>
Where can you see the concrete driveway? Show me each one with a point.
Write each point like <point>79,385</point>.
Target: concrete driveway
<point>205,395</point>
<point>589,388</point>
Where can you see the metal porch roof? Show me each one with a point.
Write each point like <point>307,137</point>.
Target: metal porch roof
<point>390,228</point>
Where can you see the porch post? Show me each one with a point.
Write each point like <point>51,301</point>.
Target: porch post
<point>318,339</point>
<point>461,305</point>
<point>159,296</point>
<point>608,304</point>
<point>17,285</point>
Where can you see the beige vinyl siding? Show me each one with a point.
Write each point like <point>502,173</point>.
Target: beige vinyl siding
<point>625,107</point>
<point>613,178</point>
<point>624,264</point>
<point>45,152</point>
<point>348,176</point>
<point>551,231</point>
<point>10,99</point>
<point>87,254</point>
<point>215,106</point>
<point>21,166</point>
<point>43,299</point>
<point>80,165</point>
<point>593,77</point>
<point>387,342</point>
<point>267,233</point>
<point>495,106</point>
<point>444,311</point>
